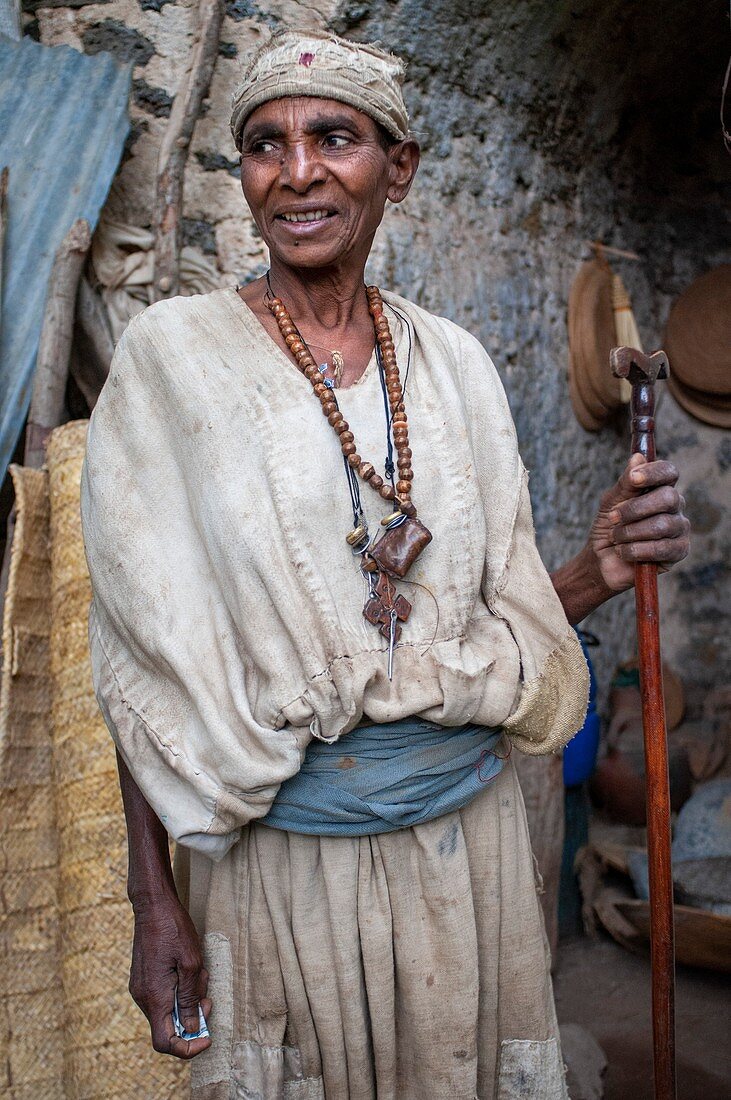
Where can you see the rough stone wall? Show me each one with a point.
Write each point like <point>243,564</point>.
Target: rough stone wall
<point>157,35</point>
<point>546,125</point>
<point>543,125</point>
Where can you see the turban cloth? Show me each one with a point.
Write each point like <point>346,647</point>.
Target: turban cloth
<point>313,63</point>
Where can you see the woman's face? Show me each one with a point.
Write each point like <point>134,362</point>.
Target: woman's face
<point>316,175</point>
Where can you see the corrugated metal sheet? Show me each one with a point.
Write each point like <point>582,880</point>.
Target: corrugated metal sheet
<point>10,18</point>
<point>63,121</point>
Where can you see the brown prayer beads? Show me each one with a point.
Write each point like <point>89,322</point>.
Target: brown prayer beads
<point>399,419</point>
<point>400,426</point>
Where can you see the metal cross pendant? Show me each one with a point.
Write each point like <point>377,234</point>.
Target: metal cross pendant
<point>385,609</point>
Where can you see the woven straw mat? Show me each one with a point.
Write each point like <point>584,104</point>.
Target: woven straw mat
<point>31,1019</point>
<point>107,1051</point>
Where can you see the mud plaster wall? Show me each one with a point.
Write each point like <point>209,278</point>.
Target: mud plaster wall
<point>543,125</point>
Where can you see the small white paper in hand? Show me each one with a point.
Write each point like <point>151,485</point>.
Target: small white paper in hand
<point>201,1033</point>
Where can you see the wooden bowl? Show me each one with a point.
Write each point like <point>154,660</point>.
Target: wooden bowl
<point>701,938</point>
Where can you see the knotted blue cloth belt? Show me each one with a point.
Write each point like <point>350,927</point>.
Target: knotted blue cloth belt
<point>387,776</point>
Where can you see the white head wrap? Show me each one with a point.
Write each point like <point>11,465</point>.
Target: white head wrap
<point>314,63</point>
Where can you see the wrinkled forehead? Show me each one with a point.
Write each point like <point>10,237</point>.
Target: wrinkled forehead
<point>306,114</point>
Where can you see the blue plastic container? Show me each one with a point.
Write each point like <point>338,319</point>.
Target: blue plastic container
<point>579,756</point>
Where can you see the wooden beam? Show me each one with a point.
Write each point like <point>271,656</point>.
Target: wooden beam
<point>193,89</point>
<point>52,362</point>
<point>93,343</point>
<point>5,566</point>
<point>4,177</point>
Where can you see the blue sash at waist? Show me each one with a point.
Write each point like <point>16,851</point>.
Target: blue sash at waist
<point>386,776</point>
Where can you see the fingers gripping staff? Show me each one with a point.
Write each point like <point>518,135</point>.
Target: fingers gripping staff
<point>642,371</point>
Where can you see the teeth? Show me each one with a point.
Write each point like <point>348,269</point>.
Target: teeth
<point>310,216</point>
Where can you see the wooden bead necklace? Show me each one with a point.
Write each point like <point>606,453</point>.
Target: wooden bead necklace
<point>306,363</point>
<point>405,536</point>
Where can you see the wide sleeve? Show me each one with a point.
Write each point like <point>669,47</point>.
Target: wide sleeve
<point>176,689</point>
<point>554,688</point>
<point>553,678</point>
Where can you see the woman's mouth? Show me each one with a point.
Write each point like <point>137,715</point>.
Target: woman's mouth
<point>306,217</point>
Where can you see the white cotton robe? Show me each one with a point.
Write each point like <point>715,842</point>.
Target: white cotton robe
<point>226,626</point>
<point>226,632</point>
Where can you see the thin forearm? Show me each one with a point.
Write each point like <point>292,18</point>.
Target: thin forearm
<point>580,587</point>
<point>150,873</point>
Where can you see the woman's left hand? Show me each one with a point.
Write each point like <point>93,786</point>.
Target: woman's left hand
<point>640,519</point>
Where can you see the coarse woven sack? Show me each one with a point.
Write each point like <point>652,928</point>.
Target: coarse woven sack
<point>31,1019</point>
<point>123,261</point>
<point>107,1051</point>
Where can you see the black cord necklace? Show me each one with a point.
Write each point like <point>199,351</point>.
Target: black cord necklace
<point>359,518</point>
<point>404,537</point>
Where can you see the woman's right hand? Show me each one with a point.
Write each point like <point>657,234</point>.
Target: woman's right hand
<point>166,954</point>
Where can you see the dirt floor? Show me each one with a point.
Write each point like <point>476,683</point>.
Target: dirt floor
<point>606,990</point>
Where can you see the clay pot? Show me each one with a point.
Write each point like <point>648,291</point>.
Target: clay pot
<point>618,784</point>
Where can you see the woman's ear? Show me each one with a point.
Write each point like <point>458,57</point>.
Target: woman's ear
<point>404,160</point>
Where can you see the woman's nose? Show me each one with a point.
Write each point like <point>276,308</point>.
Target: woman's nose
<point>301,168</point>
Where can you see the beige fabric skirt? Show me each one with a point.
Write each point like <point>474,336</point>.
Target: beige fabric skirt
<point>406,966</point>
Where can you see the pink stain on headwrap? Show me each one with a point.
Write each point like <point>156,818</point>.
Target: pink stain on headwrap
<point>306,59</point>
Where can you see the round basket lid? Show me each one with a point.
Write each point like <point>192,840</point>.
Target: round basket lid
<point>698,334</point>
<point>709,408</point>
<point>584,417</point>
<point>592,336</point>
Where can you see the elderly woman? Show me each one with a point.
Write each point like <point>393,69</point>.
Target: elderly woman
<point>319,625</point>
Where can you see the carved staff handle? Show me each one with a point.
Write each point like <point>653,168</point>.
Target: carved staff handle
<point>642,371</point>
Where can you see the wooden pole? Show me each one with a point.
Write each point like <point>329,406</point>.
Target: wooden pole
<point>54,348</point>
<point>642,371</point>
<point>5,566</point>
<point>4,177</point>
<point>93,343</point>
<point>171,162</point>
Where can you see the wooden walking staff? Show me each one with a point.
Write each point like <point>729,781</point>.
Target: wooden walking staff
<point>642,371</point>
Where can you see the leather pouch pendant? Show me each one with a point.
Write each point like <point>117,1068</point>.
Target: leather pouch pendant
<point>397,550</point>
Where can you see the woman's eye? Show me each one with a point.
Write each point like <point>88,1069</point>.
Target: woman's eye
<point>336,141</point>
<point>261,147</point>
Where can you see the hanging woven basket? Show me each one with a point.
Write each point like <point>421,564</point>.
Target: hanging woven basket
<point>698,342</point>
<point>595,392</point>
<point>107,1051</point>
<point>31,1013</point>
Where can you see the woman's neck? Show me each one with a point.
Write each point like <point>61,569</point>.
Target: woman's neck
<point>332,300</point>
<point>330,310</point>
